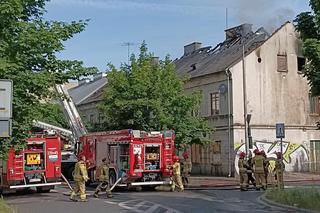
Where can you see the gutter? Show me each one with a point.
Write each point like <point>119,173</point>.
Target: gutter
<point>228,74</point>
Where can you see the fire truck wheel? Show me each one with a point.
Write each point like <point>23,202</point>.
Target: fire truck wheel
<point>112,177</point>
<point>138,188</point>
<point>44,189</point>
<point>70,172</point>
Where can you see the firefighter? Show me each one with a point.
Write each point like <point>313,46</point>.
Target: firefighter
<point>250,170</point>
<point>265,166</point>
<point>176,177</point>
<point>278,170</point>
<point>80,177</point>
<point>242,164</point>
<point>186,168</point>
<point>103,177</point>
<point>259,162</point>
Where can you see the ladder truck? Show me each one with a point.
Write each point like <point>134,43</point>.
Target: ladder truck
<point>78,130</point>
<point>139,158</point>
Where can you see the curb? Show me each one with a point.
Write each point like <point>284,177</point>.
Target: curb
<point>212,188</point>
<point>265,200</point>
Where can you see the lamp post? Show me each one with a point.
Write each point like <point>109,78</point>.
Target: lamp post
<point>245,102</point>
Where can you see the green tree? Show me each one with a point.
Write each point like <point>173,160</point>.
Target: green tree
<point>52,113</point>
<point>148,95</point>
<point>28,47</point>
<point>308,24</point>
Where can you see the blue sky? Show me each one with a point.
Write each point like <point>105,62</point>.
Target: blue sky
<point>165,25</point>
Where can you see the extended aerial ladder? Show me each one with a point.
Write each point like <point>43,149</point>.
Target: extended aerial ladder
<point>77,127</point>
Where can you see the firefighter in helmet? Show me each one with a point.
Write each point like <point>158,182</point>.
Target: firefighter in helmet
<point>278,170</point>
<point>243,165</point>
<point>259,162</point>
<point>103,177</point>
<point>250,170</point>
<point>80,177</point>
<point>186,168</point>
<point>176,177</point>
<point>265,166</point>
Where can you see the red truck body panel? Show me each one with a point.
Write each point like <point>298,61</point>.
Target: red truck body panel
<point>139,155</point>
<point>38,164</point>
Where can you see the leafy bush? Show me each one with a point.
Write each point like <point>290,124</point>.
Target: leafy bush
<point>299,197</point>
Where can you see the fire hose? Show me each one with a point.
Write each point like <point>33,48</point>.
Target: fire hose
<point>114,185</point>
<point>65,179</point>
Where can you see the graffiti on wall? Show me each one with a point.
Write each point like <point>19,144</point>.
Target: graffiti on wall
<point>296,157</point>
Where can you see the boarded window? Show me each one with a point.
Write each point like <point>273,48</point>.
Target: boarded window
<point>282,63</point>
<point>314,104</point>
<point>215,103</point>
<point>300,63</point>
<point>217,147</point>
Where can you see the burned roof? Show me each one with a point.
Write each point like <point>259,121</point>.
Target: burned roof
<point>208,60</point>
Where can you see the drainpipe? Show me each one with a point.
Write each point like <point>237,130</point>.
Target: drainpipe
<point>228,74</point>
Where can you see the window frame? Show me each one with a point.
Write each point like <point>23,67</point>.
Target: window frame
<point>214,103</point>
<point>282,59</point>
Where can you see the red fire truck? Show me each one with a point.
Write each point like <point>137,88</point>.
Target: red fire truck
<point>37,165</point>
<point>139,157</point>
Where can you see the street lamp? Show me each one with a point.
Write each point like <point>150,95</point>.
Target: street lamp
<point>245,102</point>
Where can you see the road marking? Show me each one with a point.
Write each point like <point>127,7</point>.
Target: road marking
<point>148,207</point>
<point>110,202</point>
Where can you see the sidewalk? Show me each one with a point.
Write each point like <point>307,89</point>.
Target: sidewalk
<point>212,182</point>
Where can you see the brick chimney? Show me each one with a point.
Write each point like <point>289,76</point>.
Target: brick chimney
<point>189,48</point>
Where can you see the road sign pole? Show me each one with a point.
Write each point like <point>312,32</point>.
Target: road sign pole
<point>280,133</point>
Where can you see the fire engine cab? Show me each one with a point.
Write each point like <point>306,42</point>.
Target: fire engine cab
<point>37,165</point>
<point>138,157</point>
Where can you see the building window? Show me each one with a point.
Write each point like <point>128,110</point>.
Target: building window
<point>216,147</point>
<point>215,103</point>
<point>301,62</point>
<point>100,118</point>
<point>91,118</point>
<point>314,104</point>
<point>282,63</point>
<point>193,67</point>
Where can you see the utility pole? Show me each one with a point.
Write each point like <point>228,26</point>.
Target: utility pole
<point>128,44</point>
<point>245,102</point>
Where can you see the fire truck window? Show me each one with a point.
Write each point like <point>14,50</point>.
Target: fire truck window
<point>152,158</point>
<point>124,156</point>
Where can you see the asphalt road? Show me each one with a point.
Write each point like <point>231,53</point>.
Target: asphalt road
<point>143,202</point>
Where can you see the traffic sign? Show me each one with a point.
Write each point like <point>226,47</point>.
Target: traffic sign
<point>5,108</point>
<point>5,99</point>
<point>5,128</point>
<point>280,130</point>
